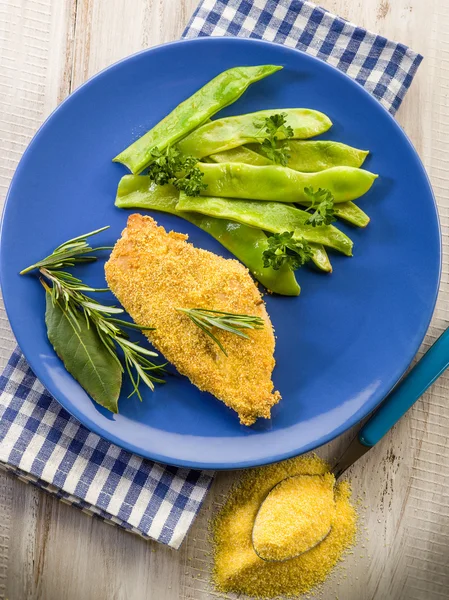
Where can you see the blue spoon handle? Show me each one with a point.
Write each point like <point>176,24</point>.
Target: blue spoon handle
<point>412,387</point>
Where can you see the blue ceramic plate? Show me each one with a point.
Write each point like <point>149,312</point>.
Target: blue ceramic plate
<point>341,345</point>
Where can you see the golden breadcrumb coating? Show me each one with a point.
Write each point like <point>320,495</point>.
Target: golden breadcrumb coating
<point>153,272</point>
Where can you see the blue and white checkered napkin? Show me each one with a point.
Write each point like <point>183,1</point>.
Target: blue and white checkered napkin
<point>39,440</point>
<point>384,68</point>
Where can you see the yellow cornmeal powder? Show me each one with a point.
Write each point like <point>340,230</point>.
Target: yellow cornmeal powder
<point>237,567</point>
<point>296,515</point>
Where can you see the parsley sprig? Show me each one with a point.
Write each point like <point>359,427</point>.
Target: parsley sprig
<point>171,166</point>
<point>286,249</point>
<point>322,203</point>
<point>206,319</point>
<point>271,146</point>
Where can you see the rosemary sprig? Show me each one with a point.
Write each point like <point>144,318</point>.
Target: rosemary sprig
<point>68,290</point>
<point>70,253</point>
<point>206,319</point>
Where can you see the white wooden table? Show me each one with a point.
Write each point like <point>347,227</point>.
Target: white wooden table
<point>50,551</point>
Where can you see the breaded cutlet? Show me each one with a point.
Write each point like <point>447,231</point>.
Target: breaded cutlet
<point>153,273</point>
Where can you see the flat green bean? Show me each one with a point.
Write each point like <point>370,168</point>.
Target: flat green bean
<point>348,211</point>
<point>280,184</point>
<point>221,91</point>
<point>246,243</point>
<point>138,191</point>
<point>241,154</point>
<point>320,258</point>
<point>247,156</point>
<point>269,216</point>
<point>311,156</point>
<point>230,132</point>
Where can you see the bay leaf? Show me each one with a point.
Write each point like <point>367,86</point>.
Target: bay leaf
<point>83,354</point>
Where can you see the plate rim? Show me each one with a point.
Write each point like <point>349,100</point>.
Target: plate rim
<point>34,362</point>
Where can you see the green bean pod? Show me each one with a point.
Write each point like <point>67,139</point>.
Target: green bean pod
<point>320,258</point>
<point>230,132</point>
<point>247,156</point>
<point>280,184</point>
<point>311,156</point>
<point>138,191</point>
<point>246,243</point>
<point>348,211</point>
<point>241,154</point>
<point>221,91</point>
<point>269,216</point>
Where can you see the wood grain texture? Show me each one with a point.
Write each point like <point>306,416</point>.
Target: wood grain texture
<point>50,551</point>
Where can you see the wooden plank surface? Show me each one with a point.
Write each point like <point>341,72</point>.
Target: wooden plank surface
<point>50,551</point>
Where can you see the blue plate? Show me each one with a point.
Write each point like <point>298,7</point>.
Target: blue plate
<point>341,345</point>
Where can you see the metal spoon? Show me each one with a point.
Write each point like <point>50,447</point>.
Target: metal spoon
<point>395,405</point>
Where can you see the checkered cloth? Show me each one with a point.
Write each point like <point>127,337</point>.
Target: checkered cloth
<point>39,441</point>
<point>44,445</point>
<point>384,68</point>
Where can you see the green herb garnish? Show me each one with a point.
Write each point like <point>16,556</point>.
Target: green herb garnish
<point>322,203</point>
<point>272,148</point>
<point>171,166</point>
<point>207,319</point>
<point>69,253</point>
<point>286,249</point>
<point>85,333</point>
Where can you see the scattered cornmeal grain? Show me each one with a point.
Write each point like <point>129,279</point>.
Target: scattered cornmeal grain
<point>237,567</point>
<point>295,516</point>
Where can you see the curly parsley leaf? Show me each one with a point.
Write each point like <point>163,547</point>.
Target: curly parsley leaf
<point>284,248</point>
<point>322,203</point>
<point>272,127</point>
<point>181,171</point>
